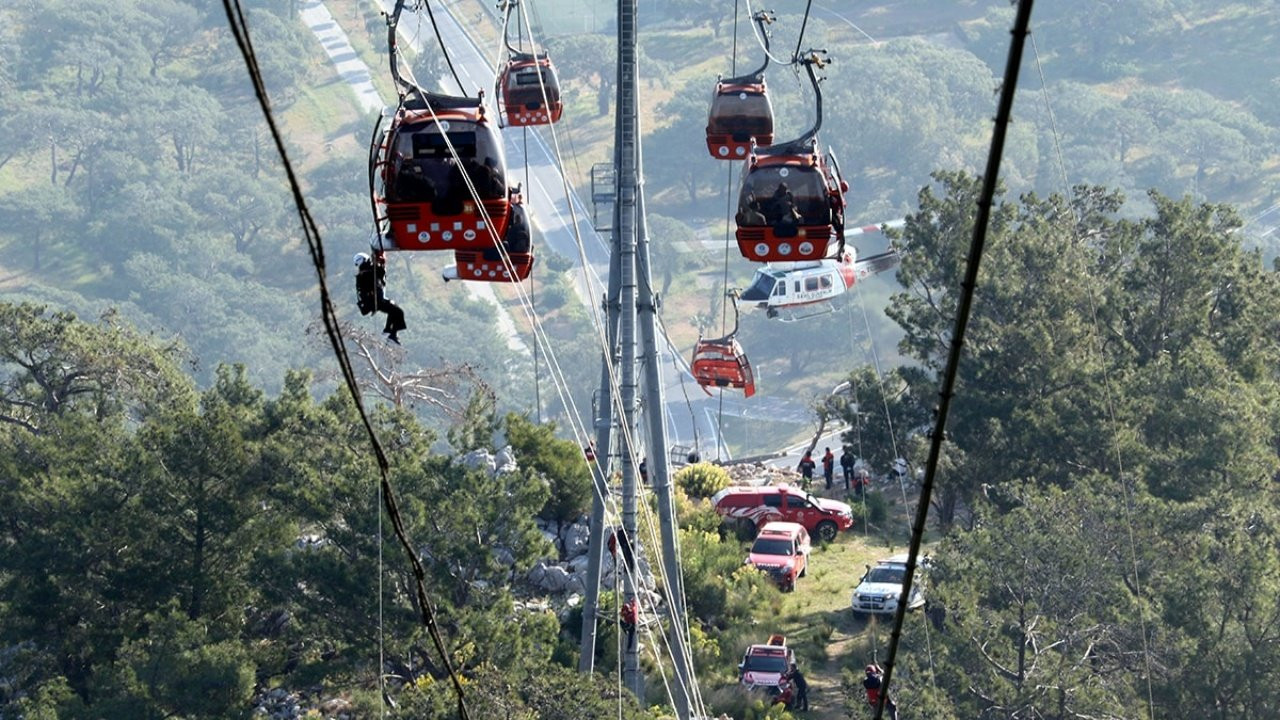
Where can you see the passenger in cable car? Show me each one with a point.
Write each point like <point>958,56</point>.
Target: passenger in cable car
<point>456,194</point>
<point>486,177</point>
<point>780,211</point>
<point>802,188</point>
<point>749,214</point>
<point>517,240</point>
<point>412,185</point>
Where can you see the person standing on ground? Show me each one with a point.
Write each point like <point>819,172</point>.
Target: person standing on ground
<point>828,466</point>
<point>806,467</point>
<point>846,467</point>
<point>801,701</point>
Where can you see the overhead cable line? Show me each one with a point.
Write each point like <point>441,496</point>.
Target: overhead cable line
<point>1108,392</point>
<point>964,307</point>
<point>315,246</point>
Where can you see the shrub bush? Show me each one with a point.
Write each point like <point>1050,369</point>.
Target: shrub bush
<point>703,479</point>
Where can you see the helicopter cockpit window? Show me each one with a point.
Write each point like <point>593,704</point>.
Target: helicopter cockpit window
<point>762,288</point>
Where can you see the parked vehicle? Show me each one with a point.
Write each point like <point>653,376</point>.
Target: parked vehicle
<point>755,506</point>
<point>764,667</point>
<point>782,550</point>
<point>880,588</point>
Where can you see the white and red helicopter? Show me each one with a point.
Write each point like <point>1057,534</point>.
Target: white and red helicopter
<point>797,290</point>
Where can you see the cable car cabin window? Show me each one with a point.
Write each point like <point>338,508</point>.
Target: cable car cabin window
<point>810,284</point>
<point>523,88</point>
<point>742,114</point>
<point>432,144</point>
<point>770,198</point>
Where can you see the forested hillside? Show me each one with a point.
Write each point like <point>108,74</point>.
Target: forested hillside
<point>1107,522</point>
<point>136,174</point>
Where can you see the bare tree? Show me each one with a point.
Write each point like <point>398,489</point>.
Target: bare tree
<point>382,369</point>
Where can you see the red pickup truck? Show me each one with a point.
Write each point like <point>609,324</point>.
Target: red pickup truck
<point>822,517</point>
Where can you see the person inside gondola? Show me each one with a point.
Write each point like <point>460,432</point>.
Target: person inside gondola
<point>371,297</point>
<point>451,201</point>
<point>749,214</point>
<point>486,178</point>
<point>780,210</point>
<point>412,185</point>
<point>517,239</point>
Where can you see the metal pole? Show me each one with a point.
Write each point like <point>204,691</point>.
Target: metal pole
<point>659,467</point>
<point>628,182</point>
<point>600,470</point>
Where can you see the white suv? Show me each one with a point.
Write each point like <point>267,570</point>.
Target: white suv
<point>880,588</point>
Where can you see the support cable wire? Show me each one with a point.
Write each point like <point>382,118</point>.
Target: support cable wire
<point>443,50</point>
<point>1108,392</point>
<point>804,23</point>
<point>728,220</point>
<point>756,32</point>
<point>691,688</point>
<point>557,374</point>
<point>553,362</point>
<point>616,395</point>
<point>240,30</point>
<point>964,307</point>
<point>884,402</point>
<point>893,441</point>
<point>675,354</point>
<point>562,385</point>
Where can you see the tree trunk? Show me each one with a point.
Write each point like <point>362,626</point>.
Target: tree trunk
<point>195,607</point>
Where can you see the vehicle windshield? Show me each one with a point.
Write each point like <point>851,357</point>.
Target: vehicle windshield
<point>761,289</point>
<point>765,663</point>
<point>772,546</point>
<point>887,575</point>
<point>812,500</point>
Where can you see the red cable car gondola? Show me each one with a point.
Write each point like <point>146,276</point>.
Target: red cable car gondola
<point>437,179</point>
<point>527,89</point>
<point>721,362</point>
<point>419,171</point>
<point>487,265</point>
<point>521,86</point>
<point>791,205</point>
<point>740,109</point>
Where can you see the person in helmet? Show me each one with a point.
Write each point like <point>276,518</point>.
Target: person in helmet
<point>874,685</point>
<point>371,297</point>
